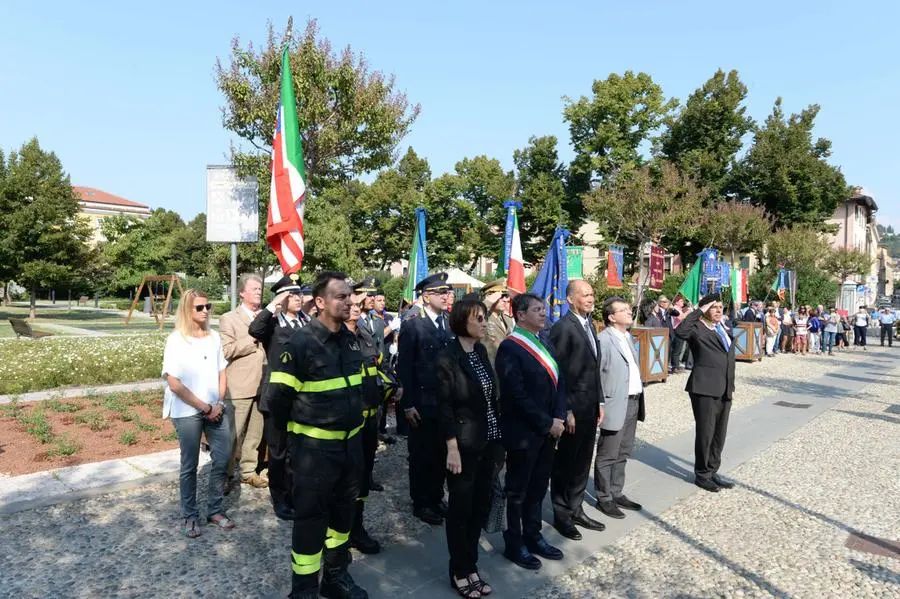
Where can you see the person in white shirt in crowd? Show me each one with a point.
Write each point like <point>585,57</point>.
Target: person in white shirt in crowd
<point>861,322</point>
<point>194,371</point>
<point>623,396</point>
<point>887,319</point>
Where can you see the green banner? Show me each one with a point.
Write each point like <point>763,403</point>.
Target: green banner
<point>575,261</point>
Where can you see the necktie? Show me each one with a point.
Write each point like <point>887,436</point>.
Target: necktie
<point>294,323</point>
<point>723,337</point>
<point>592,341</point>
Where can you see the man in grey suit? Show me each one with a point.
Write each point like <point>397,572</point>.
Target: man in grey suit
<point>623,395</point>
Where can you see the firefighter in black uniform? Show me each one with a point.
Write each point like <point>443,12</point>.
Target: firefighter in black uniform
<point>421,339</point>
<point>273,326</point>
<point>319,374</point>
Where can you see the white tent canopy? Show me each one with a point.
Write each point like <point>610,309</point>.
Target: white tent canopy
<point>457,277</point>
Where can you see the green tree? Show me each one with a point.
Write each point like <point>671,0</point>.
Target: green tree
<point>735,228</point>
<point>647,205</point>
<point>787,173</point>
<point>844,263</point>
<point>541,188</point>
<point>608,129</point>
<point>482,188</point>
<point>134,248</point>
<point>43,240</point>
<point>351,121</point>
<point>705,135</point>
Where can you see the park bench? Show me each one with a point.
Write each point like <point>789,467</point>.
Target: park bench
<point>23,329</point>
<point>83,300</point>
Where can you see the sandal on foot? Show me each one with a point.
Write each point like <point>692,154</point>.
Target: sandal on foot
<point>222,521</point>
<point>190,529</point>
<point>483,587</point>
<point>468,591</point>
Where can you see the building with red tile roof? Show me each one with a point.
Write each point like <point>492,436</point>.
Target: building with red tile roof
<point>96,205</point>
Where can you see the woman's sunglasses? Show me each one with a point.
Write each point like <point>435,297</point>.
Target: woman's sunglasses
<point>203,307</point>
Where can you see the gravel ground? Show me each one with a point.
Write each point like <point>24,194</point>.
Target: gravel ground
<point>782,531</point>
<point>128,543</point>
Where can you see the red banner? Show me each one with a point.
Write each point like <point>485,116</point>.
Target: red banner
<point>657,268</point>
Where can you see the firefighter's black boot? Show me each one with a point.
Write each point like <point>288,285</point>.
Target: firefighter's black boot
<point>336,580</point>
<point>359,538</point>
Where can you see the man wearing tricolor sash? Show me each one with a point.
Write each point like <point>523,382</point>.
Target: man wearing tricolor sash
<point>532,416</point>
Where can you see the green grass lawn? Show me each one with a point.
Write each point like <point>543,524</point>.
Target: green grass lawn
<point>92,320</point>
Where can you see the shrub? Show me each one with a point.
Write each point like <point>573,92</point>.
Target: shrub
<point>61,407</point>
<point>128,438</point>
<point>63,446</point>
<point>36,424</point>
<point>94,420</point>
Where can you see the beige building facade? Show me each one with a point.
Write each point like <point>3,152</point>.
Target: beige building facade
<point>95,205</point>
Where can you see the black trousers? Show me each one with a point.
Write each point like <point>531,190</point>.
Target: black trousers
<point>527,475</point>
<point>859,335</point>
<point>280,475</point>
<point>887,330</point>
<point>327,476</point>
<point>369,434</point>
<point>571,468</point>
<point>711,418</point>
<point>427,463</point>
<point>469,505</point>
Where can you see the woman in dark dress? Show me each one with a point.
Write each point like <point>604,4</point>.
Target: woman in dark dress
<point>468,411</point>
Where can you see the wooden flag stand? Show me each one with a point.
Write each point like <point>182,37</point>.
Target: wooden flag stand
<point>159,315</point>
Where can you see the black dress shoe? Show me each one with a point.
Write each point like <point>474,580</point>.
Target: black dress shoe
<point>567,529</point>
<point>362,542</point>
<point>585,521</point>
<point>707,485</point>
<point>285,513</point>
<point>441,508</point>
<point>544,549</point>
<point>610,509</point>
<point>428,516</point>
<point>627,504</point>
<point>521,557</point>
<point>387,439</point>
<point>722,482</point>
<point>376,486</point>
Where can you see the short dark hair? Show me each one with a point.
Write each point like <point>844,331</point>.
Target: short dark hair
<point>462,310</point>
<point>608,307</point>
<point>322,281</point>
<point>521,302</point>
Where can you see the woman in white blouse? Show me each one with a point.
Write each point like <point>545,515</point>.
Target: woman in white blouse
<point>194,371</point>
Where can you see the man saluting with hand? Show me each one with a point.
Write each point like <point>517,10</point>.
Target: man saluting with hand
<point>711,386</point>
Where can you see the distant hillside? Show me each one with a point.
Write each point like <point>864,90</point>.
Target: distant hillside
<point>890,241</point>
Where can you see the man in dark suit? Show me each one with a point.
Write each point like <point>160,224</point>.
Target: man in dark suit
<point>272,327</point>
<point>421,340</point>
<point>574,337</point>
<point>711,386</point>
<point>753,313</point>
<point>532,418</point>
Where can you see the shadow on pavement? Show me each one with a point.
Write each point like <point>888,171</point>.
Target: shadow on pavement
<point>870,416</point>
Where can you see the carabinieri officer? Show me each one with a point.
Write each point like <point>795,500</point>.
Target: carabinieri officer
<point>319,373</point>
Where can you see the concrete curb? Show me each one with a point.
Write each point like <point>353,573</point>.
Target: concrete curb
<point>70,392</point>
<point>61,485</point>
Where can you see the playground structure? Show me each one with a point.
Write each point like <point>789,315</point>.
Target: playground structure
<point>159,311</point>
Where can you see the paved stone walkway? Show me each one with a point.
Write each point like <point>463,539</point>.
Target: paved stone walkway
<point>808,478</point>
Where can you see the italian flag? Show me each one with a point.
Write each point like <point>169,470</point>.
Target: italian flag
<point>739,285</point>
<point>515,270</point>
<point>284,229</point>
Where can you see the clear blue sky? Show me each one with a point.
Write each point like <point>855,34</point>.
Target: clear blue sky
<point>124,92</point>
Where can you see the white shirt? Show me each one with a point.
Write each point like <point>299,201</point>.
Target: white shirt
<point>635,385</point>
<point>434,317</point>
<point>862,319</point>
<point>585,322</point>
<point>196,362</point>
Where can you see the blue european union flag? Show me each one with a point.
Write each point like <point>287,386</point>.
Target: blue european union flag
<point>553,279</point>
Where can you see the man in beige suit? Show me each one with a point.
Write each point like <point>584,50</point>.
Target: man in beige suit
<point>246,364</point>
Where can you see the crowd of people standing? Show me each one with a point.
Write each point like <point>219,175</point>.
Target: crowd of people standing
<point>497,408</point>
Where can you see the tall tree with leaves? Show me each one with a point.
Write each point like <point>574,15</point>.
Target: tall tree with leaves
<point>608,129</point>
<point>351,118</point>
<point>483,187</point>
<point>541,188</point>
<point>844,263</point>
<point>735,228</point>
<point>787,172</point>
<point>43,240</point>
<point>706,134</point>
<point>649,204</point>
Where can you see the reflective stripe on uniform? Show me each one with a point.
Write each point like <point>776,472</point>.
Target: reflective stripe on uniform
<point>321,433</point>
<point>305,564</point>
<point>362,498</point>
<point>370,412</point>
<point>370,370</point>
<point>334,539</point>
<point>339,382</point>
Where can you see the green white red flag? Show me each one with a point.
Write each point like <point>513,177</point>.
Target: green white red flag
<point>284,229</point>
